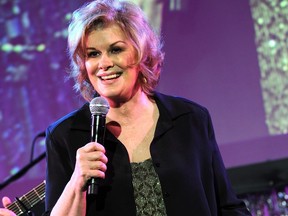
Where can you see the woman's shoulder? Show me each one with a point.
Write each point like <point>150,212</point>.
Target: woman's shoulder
<point>180,104</point>
<point>78,116</point>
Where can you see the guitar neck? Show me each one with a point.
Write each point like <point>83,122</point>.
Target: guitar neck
<point>28,200</point>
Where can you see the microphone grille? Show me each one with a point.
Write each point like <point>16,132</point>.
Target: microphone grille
<point>99,106</point>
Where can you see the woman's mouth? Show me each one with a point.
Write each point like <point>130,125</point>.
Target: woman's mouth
<point>111,76</point>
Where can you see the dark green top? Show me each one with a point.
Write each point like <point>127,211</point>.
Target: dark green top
<point>147,190</point>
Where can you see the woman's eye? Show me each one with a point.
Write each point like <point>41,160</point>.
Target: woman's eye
<point>93,54</point>
<point>116,50</point>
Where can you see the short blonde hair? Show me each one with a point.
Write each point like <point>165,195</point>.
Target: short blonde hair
<point>134,24</point>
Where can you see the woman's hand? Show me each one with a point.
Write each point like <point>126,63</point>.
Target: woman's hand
<point>3,211</point>
<point>90,162</point>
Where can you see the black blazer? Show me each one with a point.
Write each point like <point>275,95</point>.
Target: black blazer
<point>184,153</point>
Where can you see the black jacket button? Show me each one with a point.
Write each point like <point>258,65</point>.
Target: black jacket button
<point>157,164</point>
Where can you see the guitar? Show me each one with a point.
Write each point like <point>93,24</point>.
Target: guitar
<point>28,200</point>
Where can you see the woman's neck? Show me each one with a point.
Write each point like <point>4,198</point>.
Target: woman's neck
<point>131,110</point>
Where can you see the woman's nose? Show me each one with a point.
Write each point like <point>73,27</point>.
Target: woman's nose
<point>105,62</point>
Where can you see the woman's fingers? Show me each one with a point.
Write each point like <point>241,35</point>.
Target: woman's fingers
<point>92,152</point>
<point>93,146</point>
<point>6,201</point>
<point>90,162</point>
<point>3,211</point>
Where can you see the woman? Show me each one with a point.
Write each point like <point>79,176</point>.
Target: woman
<point>159,157</point>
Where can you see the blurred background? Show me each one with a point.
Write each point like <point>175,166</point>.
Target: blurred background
<point>229,56</point>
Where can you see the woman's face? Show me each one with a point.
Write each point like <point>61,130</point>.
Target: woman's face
<point>111,63</point>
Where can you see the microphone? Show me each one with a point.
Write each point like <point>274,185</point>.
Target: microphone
<point>99,107</point>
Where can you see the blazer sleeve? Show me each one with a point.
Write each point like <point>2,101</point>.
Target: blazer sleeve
<point>59,168</point>
<point>229,204</point>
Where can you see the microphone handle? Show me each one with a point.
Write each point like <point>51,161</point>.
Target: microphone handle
<point>97,134</point>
